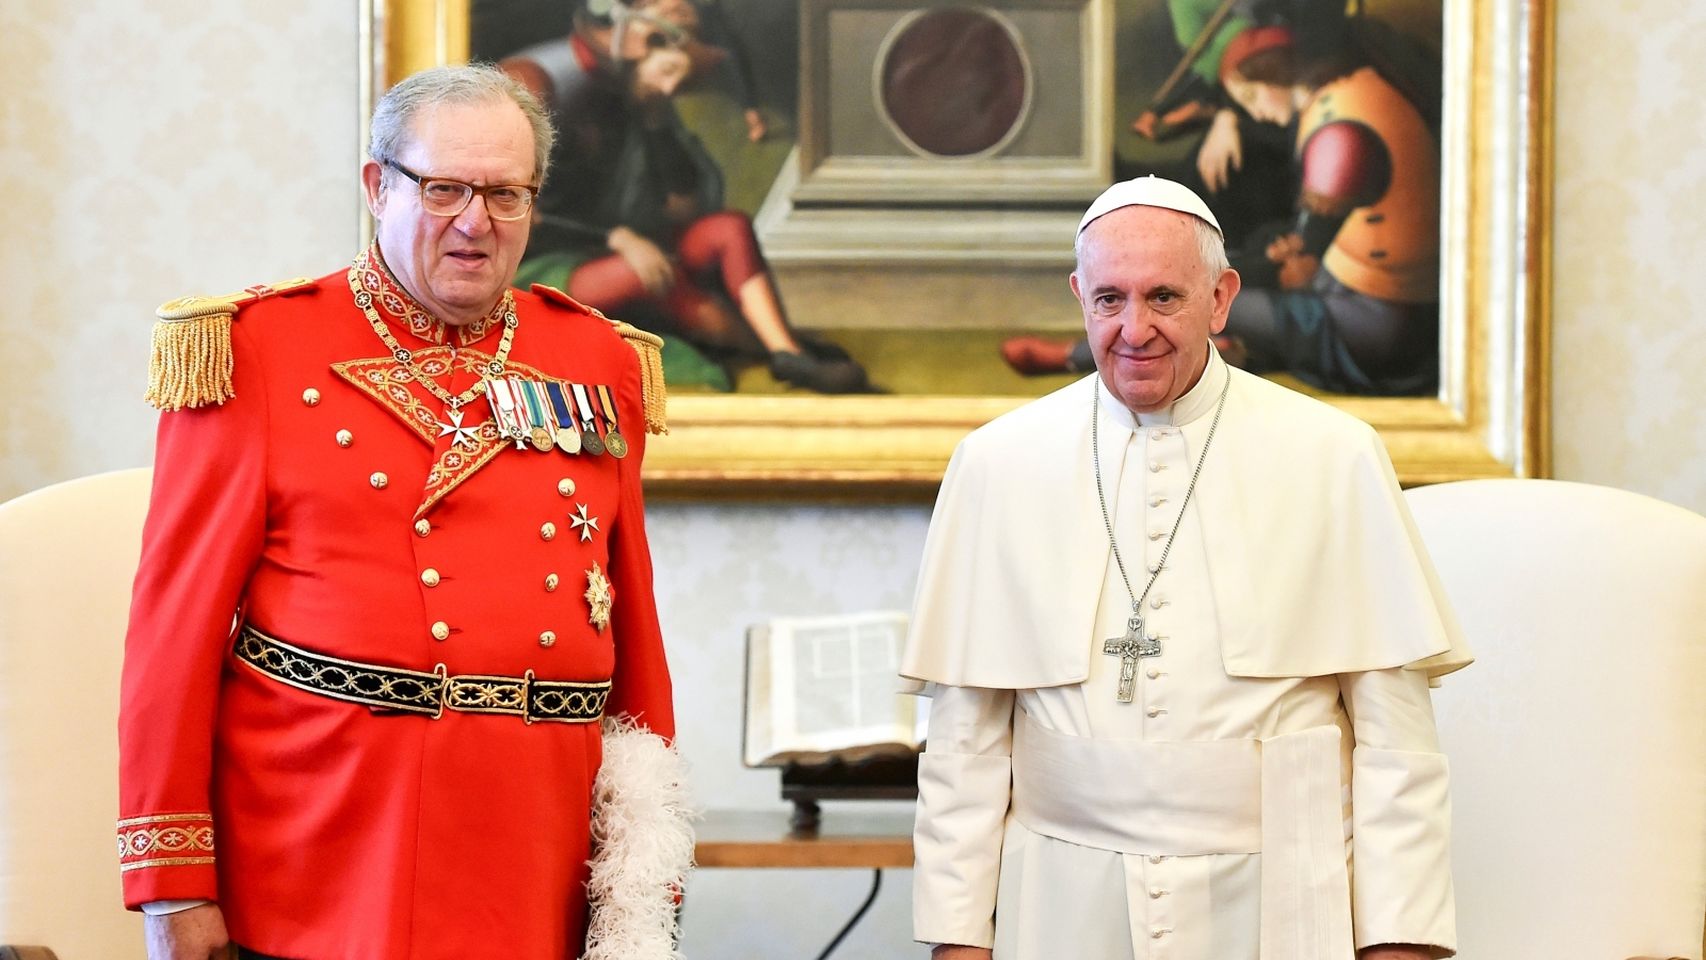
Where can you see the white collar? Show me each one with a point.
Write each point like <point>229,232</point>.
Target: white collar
<point>1196,402</point>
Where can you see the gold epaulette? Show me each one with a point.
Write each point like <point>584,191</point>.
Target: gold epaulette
<point>190,363</point>
<point>649,347</point>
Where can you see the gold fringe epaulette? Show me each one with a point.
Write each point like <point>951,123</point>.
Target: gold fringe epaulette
<point>190,362</point>
<point>649,347</point>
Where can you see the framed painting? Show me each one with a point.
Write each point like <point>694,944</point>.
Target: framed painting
<point>889,190</point>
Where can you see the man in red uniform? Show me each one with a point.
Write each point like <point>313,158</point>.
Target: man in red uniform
<point>394,576</point>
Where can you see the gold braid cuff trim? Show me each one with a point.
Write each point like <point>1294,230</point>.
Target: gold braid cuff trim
<point>654,395</point>
<point>168,818</point>
<point>189,363</point>
<point>167,862</point>
<point>171,839</point>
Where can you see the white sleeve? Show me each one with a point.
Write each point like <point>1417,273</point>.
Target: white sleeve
<point>1401,889</point>
<point>965,780</point>
<point>159,908</point>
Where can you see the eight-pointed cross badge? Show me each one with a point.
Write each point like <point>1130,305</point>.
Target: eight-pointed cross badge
<point>462,435</point>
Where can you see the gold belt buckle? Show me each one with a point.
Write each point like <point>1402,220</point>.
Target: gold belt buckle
<point>442,672</point>
<point>486,693</point>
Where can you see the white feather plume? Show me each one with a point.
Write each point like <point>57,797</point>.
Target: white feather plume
<point>642,838</point>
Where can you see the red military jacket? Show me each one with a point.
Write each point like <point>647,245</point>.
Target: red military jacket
<point>334,504</point>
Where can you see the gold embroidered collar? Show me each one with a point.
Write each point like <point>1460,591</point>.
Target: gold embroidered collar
<point>405,313</point>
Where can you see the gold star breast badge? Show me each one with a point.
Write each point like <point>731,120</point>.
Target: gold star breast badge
<point>598,597</point>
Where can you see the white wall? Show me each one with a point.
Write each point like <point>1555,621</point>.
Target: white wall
<point>154,150</point>
<point>1629,345</point>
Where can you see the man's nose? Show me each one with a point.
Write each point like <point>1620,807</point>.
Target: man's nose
<point>474,220</point>
<point>1136,324</point>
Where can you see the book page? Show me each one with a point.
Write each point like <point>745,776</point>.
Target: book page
<point>758,729</point>
<point>833,684</point>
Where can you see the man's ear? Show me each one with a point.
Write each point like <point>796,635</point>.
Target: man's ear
<point>1225,291</point>
<point>372,187</point>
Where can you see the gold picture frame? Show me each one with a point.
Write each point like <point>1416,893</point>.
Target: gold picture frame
<point>1489,420</point>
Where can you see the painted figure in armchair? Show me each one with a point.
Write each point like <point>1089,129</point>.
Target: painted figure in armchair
<point>635,224</point>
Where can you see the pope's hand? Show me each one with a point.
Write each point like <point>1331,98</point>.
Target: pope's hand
<point>645,258</point>
<point>953,951</point>
<point>194,934</point>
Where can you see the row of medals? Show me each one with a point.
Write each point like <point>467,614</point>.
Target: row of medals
<point>543,414</point>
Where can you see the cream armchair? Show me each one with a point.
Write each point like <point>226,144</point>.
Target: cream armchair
<point>1577,740</point>
<point>67,556</point>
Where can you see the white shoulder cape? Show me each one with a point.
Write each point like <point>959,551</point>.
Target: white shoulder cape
<point>1315,564</point>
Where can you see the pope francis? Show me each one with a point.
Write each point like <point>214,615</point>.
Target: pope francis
<point>1179,630</point>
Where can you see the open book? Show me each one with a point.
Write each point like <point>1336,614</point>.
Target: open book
<point>821,688</point>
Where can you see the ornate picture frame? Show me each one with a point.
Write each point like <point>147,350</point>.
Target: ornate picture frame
<point>1490,418</point>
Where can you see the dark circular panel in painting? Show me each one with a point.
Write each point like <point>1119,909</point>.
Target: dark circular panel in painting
<point>953,82</point>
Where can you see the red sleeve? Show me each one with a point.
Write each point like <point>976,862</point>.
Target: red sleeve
<point>206,524</point>
<point>640,683</point>
<point>1345,166</point>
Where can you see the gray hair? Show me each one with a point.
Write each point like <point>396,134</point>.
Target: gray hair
<point>476,83</point>
<point>1211,248</point>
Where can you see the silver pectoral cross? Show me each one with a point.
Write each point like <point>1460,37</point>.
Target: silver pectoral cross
<point>1129,648</point>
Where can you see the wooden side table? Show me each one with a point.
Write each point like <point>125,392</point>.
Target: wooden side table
<point>845,839</point>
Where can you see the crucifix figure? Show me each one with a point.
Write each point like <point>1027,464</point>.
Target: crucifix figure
<point>1129,648</point>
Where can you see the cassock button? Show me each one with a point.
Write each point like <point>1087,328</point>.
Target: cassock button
<point>551,581</point>
<point>1156,893</point>
<point>1157,603</point>
<point>1156,534</point>
<point>1156,933</point>
<point>430,577</point>
<point>1157,501</point>
<point>547,531</point>
<point>379,480</point>
<point>1155,568</point>
<point>345,438</point>
<point>311,397</point>
<point>547,639</point>
<point>1153,858</point>
<point>1152,673</point>
<point>1156,466</point>
<point>1158,435</point>
<point>441,630</point>
<point>1154,712</point>
<point>566,487</point>
<point>423,527</point>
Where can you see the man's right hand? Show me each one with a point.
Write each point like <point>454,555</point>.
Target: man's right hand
<point>645,258</point>
<point>954,951</point>
<point>194,934</point>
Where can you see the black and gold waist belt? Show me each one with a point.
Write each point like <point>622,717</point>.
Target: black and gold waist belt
<point>411,691</point>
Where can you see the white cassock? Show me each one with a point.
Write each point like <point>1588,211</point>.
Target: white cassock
<point>1275,789</point>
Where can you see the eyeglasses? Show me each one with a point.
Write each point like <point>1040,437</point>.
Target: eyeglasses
<point>443,197</point>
